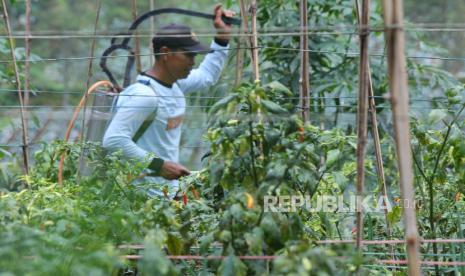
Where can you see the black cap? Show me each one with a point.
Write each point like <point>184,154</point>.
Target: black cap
<point>179,37</point>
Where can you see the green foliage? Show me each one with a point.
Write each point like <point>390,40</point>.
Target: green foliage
<point>259,147</point>
<point>299,259</point>
<point>440,174</point>
<point>48,229</point>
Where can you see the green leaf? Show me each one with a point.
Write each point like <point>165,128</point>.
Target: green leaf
<point>272,136</point>
<point>4,153</point>
<point>332,157</point>
<point>436,115</point>
<point>279,87</point>
<point>340,179</point>
<point>255,240</point>
<point>276,171</point>
<point>395,215</point>
<point>237,212</point>
<point>222,103</point>
<point>205,242</point>
<point>107,189</point>
<point>154,261</point>
<point>273,107</point>
<point>225,236</point>
<point>174,244</point>
<point>36,121</point>
<point>271,231</point>
<point>232,266</point>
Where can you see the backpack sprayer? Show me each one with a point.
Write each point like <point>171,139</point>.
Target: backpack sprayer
<point>104,101</point>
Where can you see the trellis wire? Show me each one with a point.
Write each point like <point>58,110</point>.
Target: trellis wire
<point>434,99</point>
<point>45,142</point>
<point>348,54</point>
<point>289,30</point>
<point>208,106</point>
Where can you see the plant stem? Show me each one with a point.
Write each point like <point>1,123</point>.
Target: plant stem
<point>430,186</point>
<point>304,64</point>
<point>252,155</point>
<point>23,111</point>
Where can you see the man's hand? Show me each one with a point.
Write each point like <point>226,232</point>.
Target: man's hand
<point>171,170</point>
<point>223,30</point>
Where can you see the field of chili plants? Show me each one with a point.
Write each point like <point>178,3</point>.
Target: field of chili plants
<point>92,227</point>
<point>275,180</point>
<point>87,228</point>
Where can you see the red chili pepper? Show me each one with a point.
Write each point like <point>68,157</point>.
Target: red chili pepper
<point>184,199</point>
<point>301,134</point>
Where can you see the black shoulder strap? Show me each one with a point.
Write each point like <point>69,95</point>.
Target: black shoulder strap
<point>148,121</point>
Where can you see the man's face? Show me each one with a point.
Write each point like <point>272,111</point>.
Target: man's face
<point>180,63</point>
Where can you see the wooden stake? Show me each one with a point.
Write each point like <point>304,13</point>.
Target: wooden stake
<point>375,135</point>
<point>152,30</point>
<point>378,153</point>
<point>92,47</point>
<point>241,41</point>
<point>136,40</point>
<point>27,46</point>
<point>397,73</point>
<point>89,77</point>
<point>362,115</point>
<point>253,12</point>
<point>304,62</point>
<point>20,94</point>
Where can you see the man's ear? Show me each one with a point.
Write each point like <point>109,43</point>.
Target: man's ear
<point>164,51</point>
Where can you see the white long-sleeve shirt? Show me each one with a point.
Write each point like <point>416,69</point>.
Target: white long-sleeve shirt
<point>163,136</point>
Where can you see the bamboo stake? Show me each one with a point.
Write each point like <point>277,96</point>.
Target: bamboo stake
<point>242,39</point>
<point>92,47</point>
<point>256,71</point>
<point>253,12</point>
<point>27,46</point>
<point>377,146</point>
<point>304,62</point>
<point>397,72</point>
<point>152,30</point>
<point>362,114</point>
<point>25,146</point>
<point>136,39</point>
<point>89,77</point>
<point>375,134</point>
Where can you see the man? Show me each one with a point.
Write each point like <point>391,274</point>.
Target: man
<point>159,93</point>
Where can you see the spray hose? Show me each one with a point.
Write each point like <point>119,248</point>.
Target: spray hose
<point>73,121</point>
